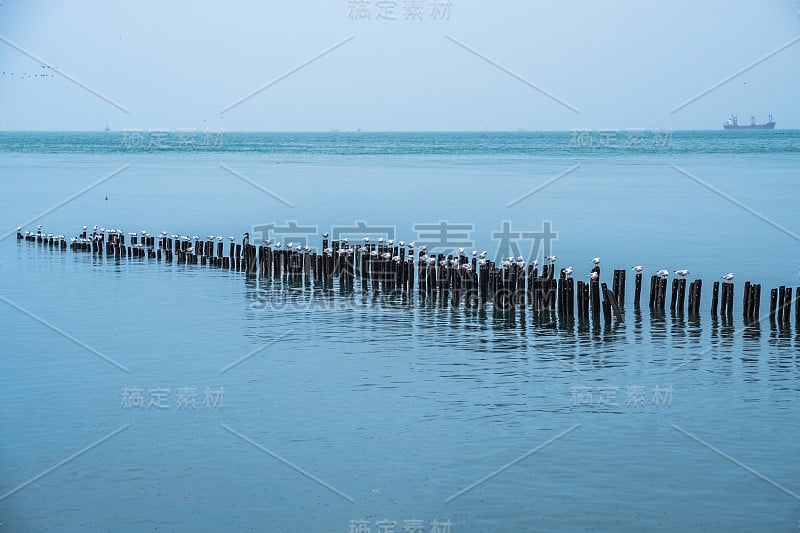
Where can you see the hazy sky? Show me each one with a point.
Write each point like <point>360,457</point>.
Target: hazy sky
<point>624,64</point>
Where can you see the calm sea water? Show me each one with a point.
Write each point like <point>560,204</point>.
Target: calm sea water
<point>341,411</point>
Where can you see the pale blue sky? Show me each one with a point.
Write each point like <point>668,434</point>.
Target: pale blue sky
<point>622,64</point>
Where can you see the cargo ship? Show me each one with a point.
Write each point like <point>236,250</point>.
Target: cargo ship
<point>733,124</point>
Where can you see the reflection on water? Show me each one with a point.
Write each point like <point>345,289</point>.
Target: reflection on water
<point>663,338</point>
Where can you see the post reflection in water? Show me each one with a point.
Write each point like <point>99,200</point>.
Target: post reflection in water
<point>670,338</point>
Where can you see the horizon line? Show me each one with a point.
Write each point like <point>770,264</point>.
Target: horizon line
<point>334,130</point>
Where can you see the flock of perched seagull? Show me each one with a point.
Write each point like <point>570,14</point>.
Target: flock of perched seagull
<point>98,234</point>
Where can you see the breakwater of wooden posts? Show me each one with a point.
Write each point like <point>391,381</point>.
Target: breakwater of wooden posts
<point>465,278</point>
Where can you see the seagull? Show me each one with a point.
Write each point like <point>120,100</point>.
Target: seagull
<point>474,253</point>
<point>662,273</point>
<point>638,269</point>
<point>596,260</point>
<point>728,276</point>
<point>568,271</point>
<point>278,245</point>
<point>535,263</point>
<point>289,244</point>
<point>682,273</point>
<point>402,243</point>
<point>460,251</point>
<point>380,240</point>
<point>551,258</point>
<point>593,276</point>
<point>231,238</point>
<point>412,244</point>
<point>423,247</point>
<point>390,242</point>
<point>483,254</point>
<point>365,239</point>
<point>325,235</point>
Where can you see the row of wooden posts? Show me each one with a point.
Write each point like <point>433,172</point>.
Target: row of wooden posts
<point>456,278</point>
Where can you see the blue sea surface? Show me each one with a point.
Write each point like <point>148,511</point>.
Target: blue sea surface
<point>268,407</point>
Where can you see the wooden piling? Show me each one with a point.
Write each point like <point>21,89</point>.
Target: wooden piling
<point>797,308</point>
<point>773,304</point>
<point>612,299</point>
<point>594,288</point>
<point>787,302</point>
<point>681,294</point>
<point>673,302</point>
<point>730,300</point>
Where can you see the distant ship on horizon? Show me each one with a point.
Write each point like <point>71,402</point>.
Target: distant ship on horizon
<point>733,124</point>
